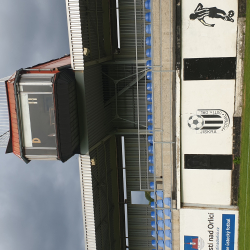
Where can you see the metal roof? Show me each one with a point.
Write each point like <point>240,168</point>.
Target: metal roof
<point>87,202</point>
<point>75,34</point>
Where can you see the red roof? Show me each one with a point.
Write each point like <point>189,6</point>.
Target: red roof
<point>55,63</point>
<point>13,116</point>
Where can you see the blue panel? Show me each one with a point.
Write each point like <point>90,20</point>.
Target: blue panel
<point>190,242</point>
<point>228,231</point>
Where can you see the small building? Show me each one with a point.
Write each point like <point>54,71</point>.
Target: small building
<point>42,104</point>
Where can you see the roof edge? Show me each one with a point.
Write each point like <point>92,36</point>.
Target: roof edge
<point>75,35</point>
<point>87,202</point>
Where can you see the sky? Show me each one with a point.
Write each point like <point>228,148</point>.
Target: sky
<point>138,197</point>
<point>40,202</point>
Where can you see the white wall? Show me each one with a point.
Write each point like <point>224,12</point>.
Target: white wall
<point>210,95</point>
<point>202,41</point>
<point>199,41</point>
<point>206,186</point>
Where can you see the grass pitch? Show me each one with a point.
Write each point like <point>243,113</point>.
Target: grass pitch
<point>244,189</point>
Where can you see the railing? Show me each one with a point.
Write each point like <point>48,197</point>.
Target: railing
<point>159,105</point>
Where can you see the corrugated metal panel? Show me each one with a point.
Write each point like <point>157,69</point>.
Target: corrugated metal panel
<point>98,116</point>
<point>4,116</point>
<point>128,29</point>
<point>139,216</point>
<point>102,83</point>
<point>132,163</point>
<point>120,89</point>
<point>66,116</point>
<point>92,28</point>
<point>4,139</point>
<point>87,202</point>
<point>85,30</point>
<point>75,34</point>
<point>103,196</point>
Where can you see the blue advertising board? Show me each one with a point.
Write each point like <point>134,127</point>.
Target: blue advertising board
<point>228,231</point>
<point>207,229</point>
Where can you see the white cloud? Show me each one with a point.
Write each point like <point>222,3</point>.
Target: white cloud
<point>41,205</point>
<point>40,202</point>
<point>31,32</point>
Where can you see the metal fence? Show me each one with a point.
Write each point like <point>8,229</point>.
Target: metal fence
<point>139,227</point>
<point>120,91</point>
<point>139,215</point>
<point>102,195</point>
<point>131,107</point>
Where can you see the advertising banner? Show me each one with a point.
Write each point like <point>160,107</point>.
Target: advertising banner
<point>208,229</point>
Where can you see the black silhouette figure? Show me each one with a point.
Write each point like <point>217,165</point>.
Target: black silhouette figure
<point>200,13</point>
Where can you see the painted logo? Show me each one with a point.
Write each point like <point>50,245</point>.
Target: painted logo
<point>209,121</point>
<point>200,13</point>
<point>193,243</point>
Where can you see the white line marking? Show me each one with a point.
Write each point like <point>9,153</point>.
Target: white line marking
<point>246,191</point>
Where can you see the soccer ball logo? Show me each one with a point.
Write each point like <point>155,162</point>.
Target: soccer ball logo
<point>195,122</point>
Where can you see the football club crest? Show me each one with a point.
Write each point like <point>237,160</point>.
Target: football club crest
<point>193,243</point>
<point>207,121</point>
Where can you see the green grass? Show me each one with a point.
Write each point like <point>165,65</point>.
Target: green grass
<point>244,188</point>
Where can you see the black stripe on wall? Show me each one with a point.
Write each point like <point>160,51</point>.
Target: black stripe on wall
<point>213,122</point>
<point>211,116</point>
<point>217,68</point>
<point>197,161</point>
<point>206,127</point>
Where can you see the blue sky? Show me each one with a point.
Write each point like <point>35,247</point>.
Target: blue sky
<point>40,202</point>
